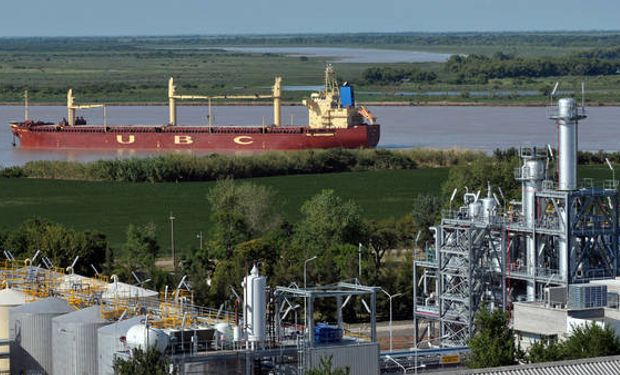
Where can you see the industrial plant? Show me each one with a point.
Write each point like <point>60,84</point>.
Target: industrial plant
<point>550,258</point>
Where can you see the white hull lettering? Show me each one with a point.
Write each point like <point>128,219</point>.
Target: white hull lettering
<point>183,140</point>
<point>125,141</point>
<point>243,140</point>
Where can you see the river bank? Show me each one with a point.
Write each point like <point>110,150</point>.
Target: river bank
<point>442,103</point>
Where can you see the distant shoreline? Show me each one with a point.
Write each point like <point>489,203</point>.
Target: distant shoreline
<point>295,104</point>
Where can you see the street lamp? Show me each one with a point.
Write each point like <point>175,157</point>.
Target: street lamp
<point>305,296</point>
<point>390,297</point>
<point>305,268</point>
<point>199,236</point>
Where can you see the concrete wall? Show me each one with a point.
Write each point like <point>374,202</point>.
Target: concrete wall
<point>535,318</point>
<point>359,358</point>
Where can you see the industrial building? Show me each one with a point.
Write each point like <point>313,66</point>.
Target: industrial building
<point>58,322</point>
<point>499,252</point>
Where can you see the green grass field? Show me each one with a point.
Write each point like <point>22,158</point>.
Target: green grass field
<point>111,207</point>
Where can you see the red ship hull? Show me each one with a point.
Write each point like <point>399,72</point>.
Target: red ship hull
<point>217,138</point>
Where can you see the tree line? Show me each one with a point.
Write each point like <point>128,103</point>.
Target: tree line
<point>479,68</point>
<point>494,344</point>
<point>178,168</point>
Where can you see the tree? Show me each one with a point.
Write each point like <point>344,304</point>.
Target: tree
<point>149,362</point>
<point>493,343</point>
<point>426,213</point>
<point>383,236</point>
<point>326,368</point>
<point>142,242</point>
<point>586,341</point>
<point>590,340</point>
<point>476,175</point>
<point>241,212</point>
<point>544,351</point>
<point>58,243</point>
<point>327,220</point>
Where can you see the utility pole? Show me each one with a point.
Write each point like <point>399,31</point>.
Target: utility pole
<point>174,261</point>
<point>199,236</point>
<point>359,261</point>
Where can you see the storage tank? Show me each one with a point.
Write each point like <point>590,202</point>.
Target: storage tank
<point>254,299</point>
<point>9,298</point>
<point>141,336</point>
<point>30,328</point>
<point>74,341</point>
<point>109,342</point>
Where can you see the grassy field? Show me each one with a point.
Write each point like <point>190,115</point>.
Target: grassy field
<point>135,70</point>
<point>111,207</point>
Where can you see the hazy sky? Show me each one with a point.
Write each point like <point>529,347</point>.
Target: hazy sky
<point>165,17</point>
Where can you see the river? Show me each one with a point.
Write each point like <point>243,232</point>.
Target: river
<point>481,128</point>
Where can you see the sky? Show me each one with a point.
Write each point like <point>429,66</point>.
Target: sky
<point>183,17</point>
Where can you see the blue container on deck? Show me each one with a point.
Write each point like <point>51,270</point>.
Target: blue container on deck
<point>347,97</point>
<point>324,333</point>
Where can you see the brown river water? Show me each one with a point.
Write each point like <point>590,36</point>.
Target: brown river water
<point>481,128</point>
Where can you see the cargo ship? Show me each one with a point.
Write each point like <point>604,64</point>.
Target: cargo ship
<point>334,121</point>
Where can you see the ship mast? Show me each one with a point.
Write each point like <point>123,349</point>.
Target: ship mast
<point>26,115</point>
<point>331,85</point>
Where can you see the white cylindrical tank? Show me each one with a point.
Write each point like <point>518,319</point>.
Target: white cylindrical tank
<point>8,298</point>
<point>254,301</point>
<point>30,329</point>
<point>143,337</point>
<point>74,341</point>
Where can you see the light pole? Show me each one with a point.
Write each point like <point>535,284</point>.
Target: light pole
<point>359,261</point>
<point>306,268</point>
<point>305,296</point>
<point>199,236</point>
<point>391,297</point>
<point>174,263</point>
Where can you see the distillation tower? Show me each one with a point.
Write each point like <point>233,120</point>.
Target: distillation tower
<point>494,252</point>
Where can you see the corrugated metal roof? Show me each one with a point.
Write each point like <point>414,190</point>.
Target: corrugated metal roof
<point>589,366</point>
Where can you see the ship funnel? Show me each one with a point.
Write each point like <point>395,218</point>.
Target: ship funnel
<point>567,115</point>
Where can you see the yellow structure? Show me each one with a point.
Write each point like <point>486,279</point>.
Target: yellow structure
<point>173,97</point>
<point>71,107</point>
